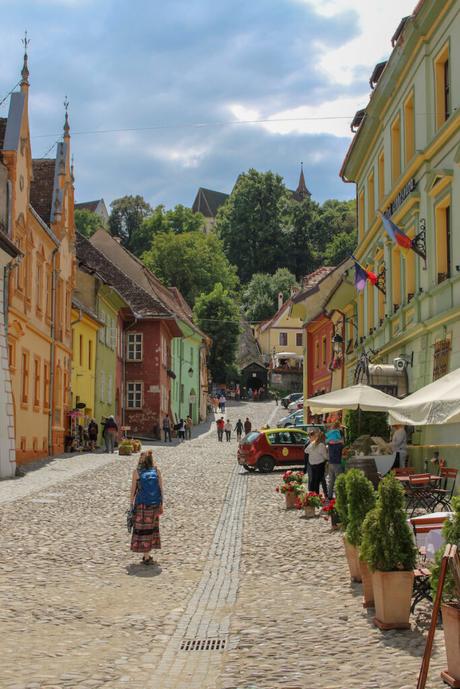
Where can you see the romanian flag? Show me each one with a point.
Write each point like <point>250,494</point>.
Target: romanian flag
<point>395,233</point>
<point>362,276</point>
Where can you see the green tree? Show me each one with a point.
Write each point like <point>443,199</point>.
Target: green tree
<point>334,217</point>
<point>341,246</point>
<point>300,231</point>
<point>250,224</point>
<point>179,219</point>
<point>126,219</point>
<point>217,314</point>
<point>193,262</point>
<point>260,296</point>
<point>87,222</point>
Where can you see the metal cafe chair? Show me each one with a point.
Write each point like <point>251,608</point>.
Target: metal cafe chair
<point>422,587</point>
<point>403,471</point>
<point>419,493</point>
<point>443,496</point>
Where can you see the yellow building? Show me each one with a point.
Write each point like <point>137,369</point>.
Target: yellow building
<point>281,334</point>
<point>85,326</point>
<point>40,287</point>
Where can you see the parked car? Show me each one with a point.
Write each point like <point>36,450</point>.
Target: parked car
<point>293,419</point>
<point>285,401</point>
<point>265,449</point>
<point>297,404</point>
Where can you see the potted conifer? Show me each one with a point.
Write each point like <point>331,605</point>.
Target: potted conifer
<point>451,600</point>
<point>361,498</point>
<point>341,505</point>
<point>388,548</point>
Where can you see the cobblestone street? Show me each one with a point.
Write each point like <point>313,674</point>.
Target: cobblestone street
<point>264,590</point>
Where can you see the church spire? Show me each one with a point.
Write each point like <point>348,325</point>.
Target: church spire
<point>301,192</point>
<point>66,121</point>
<point>25,67</point>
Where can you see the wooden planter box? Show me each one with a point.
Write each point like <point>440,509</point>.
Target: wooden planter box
<point>451,624</point>
<point>352,556</point>
<point>392,596</point>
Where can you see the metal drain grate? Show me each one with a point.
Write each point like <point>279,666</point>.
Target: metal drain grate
<point>213,644</point>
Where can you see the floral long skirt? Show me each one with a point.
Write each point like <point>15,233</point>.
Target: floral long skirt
<point>146,529</point>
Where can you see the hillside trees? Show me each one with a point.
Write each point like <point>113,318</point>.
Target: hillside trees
<point>260,296</point>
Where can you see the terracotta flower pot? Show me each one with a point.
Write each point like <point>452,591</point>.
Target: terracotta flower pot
<point>368,591</point>
<point>309,511</point>
<point>352,555</point>
<point>451,624</point>
<point>125,449</point>
<point>290,500</point>
<point>392,596</point>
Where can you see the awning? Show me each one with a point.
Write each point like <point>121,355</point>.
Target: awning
<point>288,355</point>
<point>354,397</point>
<point>434,404</point>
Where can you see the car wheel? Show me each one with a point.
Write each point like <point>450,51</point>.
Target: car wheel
<point>249,468</point>
<point>265,464</point>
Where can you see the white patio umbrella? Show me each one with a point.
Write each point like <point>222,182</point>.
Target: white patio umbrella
<point>436,403</point>
<point>362,397</point>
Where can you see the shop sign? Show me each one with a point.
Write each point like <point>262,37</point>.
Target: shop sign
<point>407,189</point>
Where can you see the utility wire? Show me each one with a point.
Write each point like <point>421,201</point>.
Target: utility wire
<point>8,94</point>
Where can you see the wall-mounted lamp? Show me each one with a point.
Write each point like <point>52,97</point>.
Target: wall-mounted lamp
<point>190,371</point>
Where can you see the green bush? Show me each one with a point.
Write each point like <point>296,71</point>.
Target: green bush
<point>341,500</point>
<point>372,423</point>
<point>361,499</point>
<point>451,534</point>
<point>387,542</point>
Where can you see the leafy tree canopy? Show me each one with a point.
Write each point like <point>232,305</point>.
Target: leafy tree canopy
<point>341,246</point>
<point>87,222</point>
<point>193,262</point>
<point>217,314</point>
<point>179,219</point>
<point>126,218</point>
<point>260,296</point>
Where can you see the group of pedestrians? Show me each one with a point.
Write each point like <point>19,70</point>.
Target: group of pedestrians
<point>183,428</point>
<point>219,403</point>
<point>226,427</point>
<point>319,449</point>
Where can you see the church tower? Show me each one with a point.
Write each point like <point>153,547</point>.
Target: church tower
<point>301,193</point>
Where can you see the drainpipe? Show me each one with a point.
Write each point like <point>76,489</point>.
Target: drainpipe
<point>52,350</point>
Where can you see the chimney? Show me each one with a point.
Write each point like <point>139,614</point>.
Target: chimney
<point>294,290</point>
<point>280,300</point>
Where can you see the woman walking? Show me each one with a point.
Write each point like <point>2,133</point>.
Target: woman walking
<point>181,429</point>
<point>147,501</point>
<point>228,431</point>
<point>239,429</point>
<point>317,457</point>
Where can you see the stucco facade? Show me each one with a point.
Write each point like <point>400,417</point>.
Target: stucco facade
<point>85,326</point>
<point>185,387</point>
<point>405,161</point>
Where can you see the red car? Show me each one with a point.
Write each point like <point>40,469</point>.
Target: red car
<point>265,449</point>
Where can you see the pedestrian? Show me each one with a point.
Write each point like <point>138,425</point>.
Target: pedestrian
<point>255,394</point>
<point>317,457</point>
<point>223,402</point>
<point>215,404</point>
<point>334,440</point>
<point>276,396</point>
<point>167,428</point>
<point>110,430</point>
<point>306,463</point>
<point>239,429</point>
<point>247,426</point>
<point>93,431</point>
<point>399,445</point>
<point>228,431</point>
<point>188,427</point>
<point>237,393</point>
<point>220,428</point>
<point>181,429</point>
<point>147,504</point>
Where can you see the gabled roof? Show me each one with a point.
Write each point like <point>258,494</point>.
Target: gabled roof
<point>42,187</point>
<point>271,321</point>
<point>316,276</point>
<point>207,202</point>
<point>88,205</point>
<point>248,348</point>
<point>318,287</point>
<point>77,304</point>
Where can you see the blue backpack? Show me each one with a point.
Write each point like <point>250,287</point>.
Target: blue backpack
<point>148,491</point>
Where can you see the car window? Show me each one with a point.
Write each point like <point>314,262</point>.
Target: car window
<point>273,438</point>
<point>251,437</point>
<point>285,438</point>
<point>298,438</point>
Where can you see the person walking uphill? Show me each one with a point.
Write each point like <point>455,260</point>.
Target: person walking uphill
<point>110,434</point>
<point>93,431</point>
<point>167,428</point>
<point>147,502</point>
<point>228,431</point>
<point>247,426</point>
<point>220,423</point>
<point>239,429</point>
<point>188,427</point>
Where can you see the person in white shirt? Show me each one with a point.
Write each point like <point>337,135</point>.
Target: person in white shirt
<point>399,445</point>
<point>228,430</point>
<point>317,458</point>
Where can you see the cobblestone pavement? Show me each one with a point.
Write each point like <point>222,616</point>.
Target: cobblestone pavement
<point>265,590</point>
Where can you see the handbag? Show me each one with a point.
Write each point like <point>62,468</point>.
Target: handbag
<point>130,518</point>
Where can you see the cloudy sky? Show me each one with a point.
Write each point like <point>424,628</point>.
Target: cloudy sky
<point>198,90</point>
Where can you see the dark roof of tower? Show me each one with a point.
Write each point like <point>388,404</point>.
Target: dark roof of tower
<point>208,202</point>
<point>42,186</point>
<point>301,192</point>
<point>88,205</point>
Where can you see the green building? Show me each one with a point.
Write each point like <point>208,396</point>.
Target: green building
<point>186,388</point>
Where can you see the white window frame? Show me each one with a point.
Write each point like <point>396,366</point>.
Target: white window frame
<point>134,395</point>
<point>132,341</point>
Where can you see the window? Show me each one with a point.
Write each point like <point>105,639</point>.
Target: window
<point>39,285</point>
<point>46,385</point>
<point>25,377</point>
<point>37,367</point>
<point>58,395</point>
<point>443,250</point>
<point>441,358</point>
<point>316,354</point>
<point>396,149</point>
<point>442,86</point>
<point>49,290</point>
<point>381,167</point>
<point>90,354</point>
<point>20,268</point>
<point>409,129</point>
<point>298,339</point>
<point>381,297</point>
<point>324,351</point>
<point>80,350</point>
<point>283,339</point>
<point>361,214</point>
<point>370,199</point>
<point>396,278</point>
<point>370,305</point>
<point>134,395</point>
<point>182,392</point>
<point>134,347</point>
<point>68,310</point>
<point>361,314</point>
<point>12,355</point>
<point>410,275</point>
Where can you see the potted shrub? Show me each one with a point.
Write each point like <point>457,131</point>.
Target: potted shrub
<point>450,607</point>
<point>137,447</point>
<point>361,499</point>
<point>292,485</point>
<point>341,505</point>
<point>125,447</point>
<point>388,548</point>
<point>309,501</point>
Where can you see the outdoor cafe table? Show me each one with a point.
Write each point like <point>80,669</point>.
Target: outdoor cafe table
<point>405,478</point>
<point>432,539</point>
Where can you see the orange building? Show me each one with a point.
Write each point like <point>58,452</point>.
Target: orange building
<point>39,298</point>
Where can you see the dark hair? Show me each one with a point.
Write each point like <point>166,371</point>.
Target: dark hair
<point>146,461</point>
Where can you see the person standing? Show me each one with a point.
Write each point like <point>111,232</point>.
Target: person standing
<point>220,428</point>
<point>317,457</point>
<point>181,429</point>
<point>239,429</point>
<point>167,428</point>
<point>146,500</point>
<point>188,427</point>
<point>334,440</point>
<point>247,426</point>
<point>399,446</point>
<point>93,430</point>
<point>306,463</point>
<point>223,402</point>
<point>228,431</point>
<point>110,430</point>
